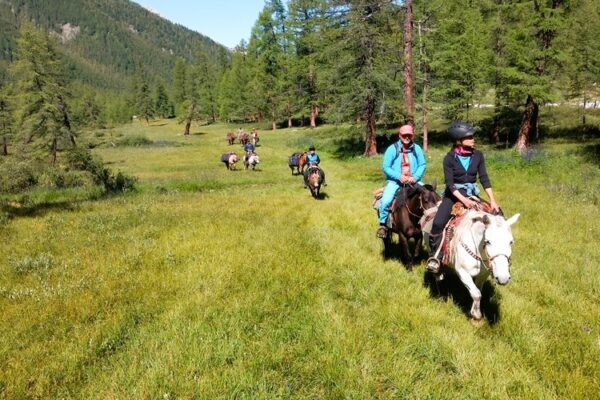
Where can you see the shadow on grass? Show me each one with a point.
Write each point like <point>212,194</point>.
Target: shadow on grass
<point>591,153</point>
<point>452,287</point>
<point>392,250</point>
<point>198,133</point>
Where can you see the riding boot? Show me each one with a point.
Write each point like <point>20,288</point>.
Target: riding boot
<point>382,232</point>
<point>434,261</point>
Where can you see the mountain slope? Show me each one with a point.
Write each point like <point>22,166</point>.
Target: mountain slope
<point>104,41</point>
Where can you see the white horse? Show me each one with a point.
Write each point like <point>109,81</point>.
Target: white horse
<point>251,161</point>
<point>482,244</point>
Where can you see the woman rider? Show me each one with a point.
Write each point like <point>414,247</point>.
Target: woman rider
<point>462,165</point>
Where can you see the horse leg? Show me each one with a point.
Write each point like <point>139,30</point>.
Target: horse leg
<point>467,280</point>
<point>418,248</point>
<point>406,256</point>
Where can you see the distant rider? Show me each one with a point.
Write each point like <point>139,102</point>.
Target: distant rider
<point>312,160</point>
<point>404,165</point>
<point>248,149</point>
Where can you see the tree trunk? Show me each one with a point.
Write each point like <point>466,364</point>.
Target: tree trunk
<point>528,124</point>
<point>584,108</point>
<point>289,115</point>
<point>273,122</point>
<point>425,116</point>
<point>314,112</point>
<point>408,75</point>
<point>188,120</point>
<point>4,146</point>
<point>371,142</point>
<point>425,69</point>
<point>54,150</point>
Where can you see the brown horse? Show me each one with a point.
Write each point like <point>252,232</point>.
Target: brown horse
<point>314,181</point>
<point>302,162</point>
<point>405,221</point>
<point>244,138</point>
<point>230,138</point>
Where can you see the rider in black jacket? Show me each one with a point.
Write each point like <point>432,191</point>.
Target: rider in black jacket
<point>462,165</point>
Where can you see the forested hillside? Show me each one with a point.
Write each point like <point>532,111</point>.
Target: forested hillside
<point>104,41</point>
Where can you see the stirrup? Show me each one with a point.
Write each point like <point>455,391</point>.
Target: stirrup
<point>433,265</point>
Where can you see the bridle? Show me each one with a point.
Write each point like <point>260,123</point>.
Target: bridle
<point>488,258</point>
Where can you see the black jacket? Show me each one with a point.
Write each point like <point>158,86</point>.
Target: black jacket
<point>454,172</point>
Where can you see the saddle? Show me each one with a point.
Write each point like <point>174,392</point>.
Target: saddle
<point>457,215</point>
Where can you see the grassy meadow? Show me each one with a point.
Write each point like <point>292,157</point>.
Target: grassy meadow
<point>208,284</point>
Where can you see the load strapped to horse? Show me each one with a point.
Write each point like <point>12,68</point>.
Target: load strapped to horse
<point>297,161</point>
<point>406,218</point>
<point>475,244</point>
<point>229,159</point>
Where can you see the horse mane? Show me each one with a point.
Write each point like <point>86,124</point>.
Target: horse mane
<point>470,218</point>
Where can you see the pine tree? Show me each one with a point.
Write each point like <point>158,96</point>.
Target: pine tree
<point>161,100</point>
<point>583,49</point>
<point>6,120</point>
<point>265,57</point>
<point>142,96</point>
<point>233,101</point>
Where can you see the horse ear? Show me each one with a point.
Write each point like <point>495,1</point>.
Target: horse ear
<point>434,186</point>
<point>513,219</point>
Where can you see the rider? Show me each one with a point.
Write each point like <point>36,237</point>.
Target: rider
<point>403,165</point>
<point>249,149</point>
<point>313,160</point>
<point>462,165</point>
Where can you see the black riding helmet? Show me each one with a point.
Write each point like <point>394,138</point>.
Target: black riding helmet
<point>311,148</point>
<point>460,129</point>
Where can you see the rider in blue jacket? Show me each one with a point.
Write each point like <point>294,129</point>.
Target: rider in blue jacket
<point>403,165</point>
<point>313,160</point>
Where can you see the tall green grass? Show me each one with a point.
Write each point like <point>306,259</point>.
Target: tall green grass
<point>208,283</point>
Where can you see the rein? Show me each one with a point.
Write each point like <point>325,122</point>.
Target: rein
<point>420,207</point>
<point>489,259</point>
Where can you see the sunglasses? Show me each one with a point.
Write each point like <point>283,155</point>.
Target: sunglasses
<point>406,136</point>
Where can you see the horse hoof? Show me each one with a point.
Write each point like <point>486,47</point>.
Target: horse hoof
<point>476,322</point>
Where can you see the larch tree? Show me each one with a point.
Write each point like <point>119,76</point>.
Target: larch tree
<point>6,120</point>
<point>306,26</point>
<point>460,60</point>
<point>360,54</point>
<point>265,56</point>
<point>42,115</point>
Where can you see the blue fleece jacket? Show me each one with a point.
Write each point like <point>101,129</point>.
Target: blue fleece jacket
<point>392,162</point>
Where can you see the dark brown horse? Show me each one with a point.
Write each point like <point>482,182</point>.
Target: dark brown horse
<point>314,180</point>
<point>405,221</point>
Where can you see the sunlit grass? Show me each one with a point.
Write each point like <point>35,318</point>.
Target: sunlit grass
<point>208,283</point>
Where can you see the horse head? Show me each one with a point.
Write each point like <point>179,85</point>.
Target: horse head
<point>497,240</point>
<point>428,196</point>
<point>315,180</point>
